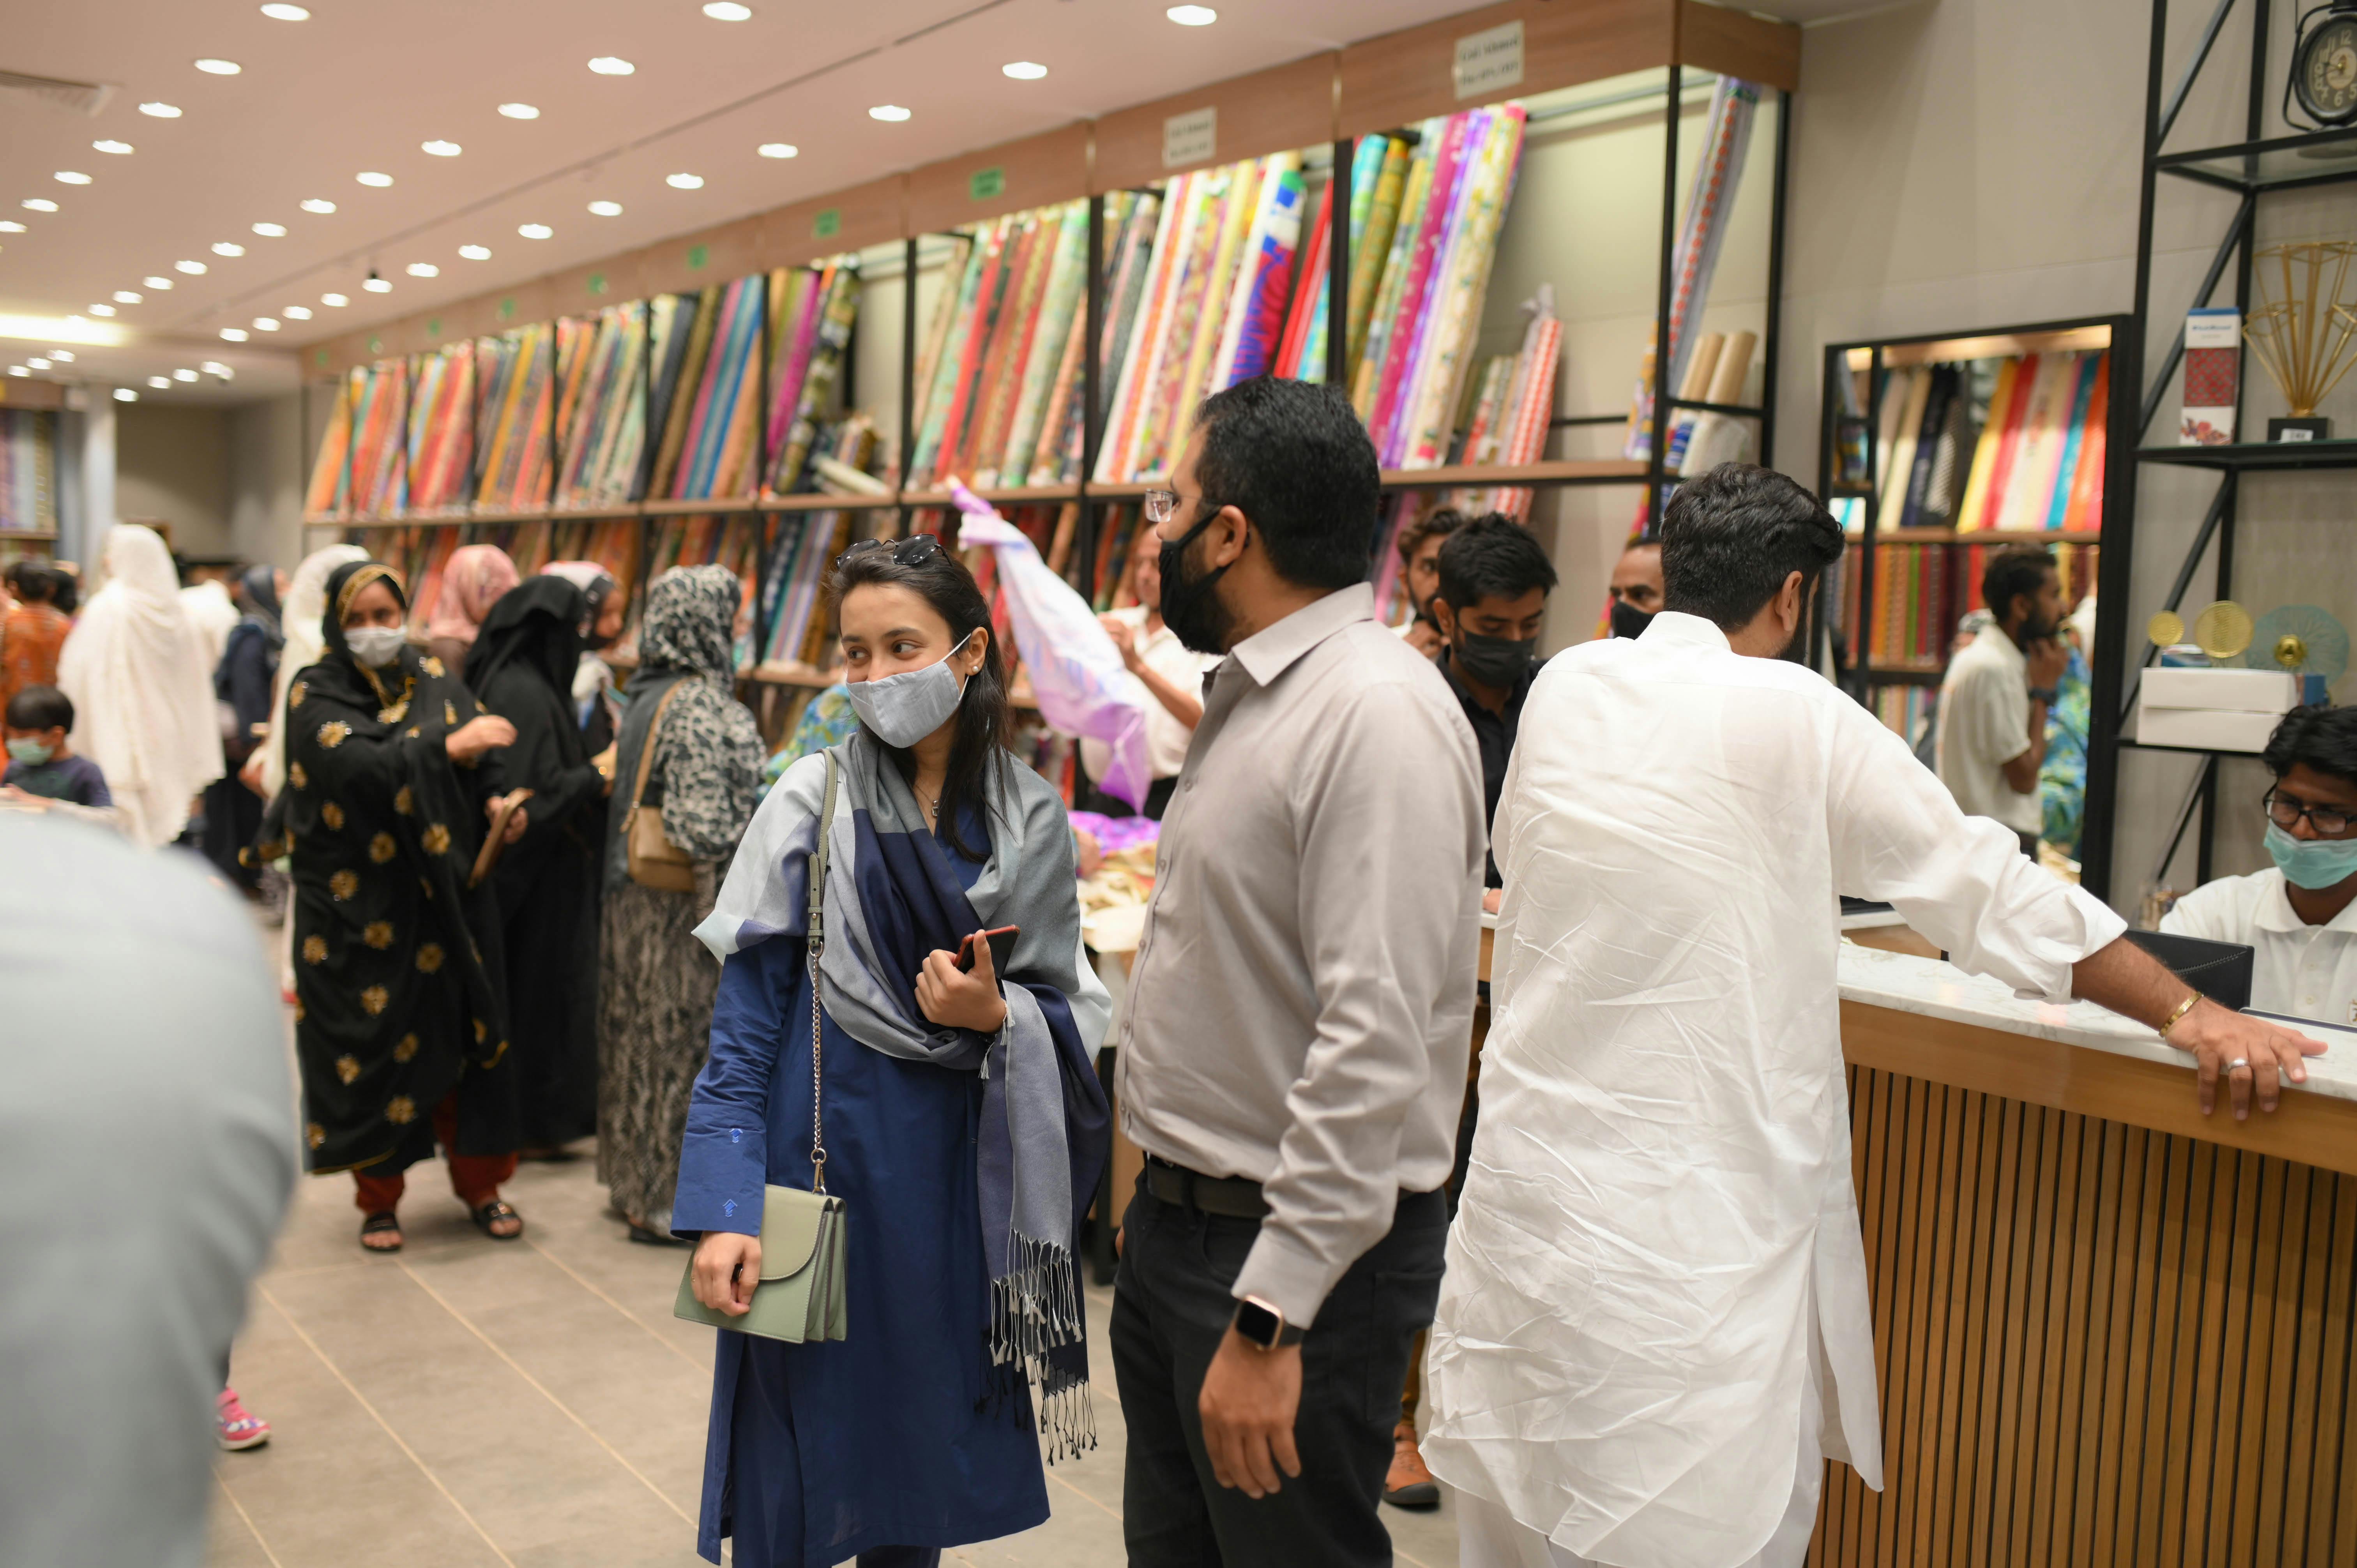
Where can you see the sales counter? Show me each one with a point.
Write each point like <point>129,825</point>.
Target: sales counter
<point>2108,1329</point>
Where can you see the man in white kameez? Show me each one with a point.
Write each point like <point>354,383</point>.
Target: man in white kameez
<point>1654,1326</point>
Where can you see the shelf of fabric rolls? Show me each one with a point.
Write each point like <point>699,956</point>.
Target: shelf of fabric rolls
<point>2107,1326</point>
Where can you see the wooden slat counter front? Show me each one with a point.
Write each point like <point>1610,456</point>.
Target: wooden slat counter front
<point>2108,1329</point>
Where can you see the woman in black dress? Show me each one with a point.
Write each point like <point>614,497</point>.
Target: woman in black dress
<point>243,684</point>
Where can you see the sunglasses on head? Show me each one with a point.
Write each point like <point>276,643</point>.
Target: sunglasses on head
<point>905,552</point>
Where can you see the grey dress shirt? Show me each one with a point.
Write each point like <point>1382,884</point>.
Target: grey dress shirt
<point>1303,994</point>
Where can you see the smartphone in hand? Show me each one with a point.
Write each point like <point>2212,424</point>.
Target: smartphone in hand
<point>1002,949</point>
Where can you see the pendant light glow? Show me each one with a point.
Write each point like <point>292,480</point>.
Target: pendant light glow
<point>684,181</point>
<point>124,394</point>
<point>1192,16</point>
<point>271,231</point>
<point>194,269</point>
<point>224,248</point>
<point>335,301</point>
<point>727,11</point>
<point>779,150</point>
<point>278,11</point>
<point>423,270</point>
<point>891,113</point>
<point>157,282</point>
<point>101,310</point>
<point>535,230</point>
<point>316,204</point>
<point>128,296</point>
<point>519,110</point>
<point>265,323</point>
<point>440,149</point>
<point>184,374</point>
<point>476,253</point>
<point>160,110</point>
<point>297,313</point>
<point>1023,70</point>
<point>39,204</point>
<point>70,177</point>
<point>611,65</point>
<point>219,67</point>
<point>110,145</point>
<point>373,178</point>
<point>607,209</point>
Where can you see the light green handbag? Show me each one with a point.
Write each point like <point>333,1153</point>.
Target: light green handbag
<point>800,1295</point>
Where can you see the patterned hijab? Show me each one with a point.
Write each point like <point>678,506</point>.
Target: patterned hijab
<point>690,622</point>
<point>472,581</point>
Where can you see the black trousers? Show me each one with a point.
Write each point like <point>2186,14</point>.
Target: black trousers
<point>1171,1308</point>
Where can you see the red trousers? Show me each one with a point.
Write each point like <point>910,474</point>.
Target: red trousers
<point>474,1178</point>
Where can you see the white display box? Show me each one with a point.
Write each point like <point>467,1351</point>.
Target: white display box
<point>2205,729</point>
<point>2240,691</point>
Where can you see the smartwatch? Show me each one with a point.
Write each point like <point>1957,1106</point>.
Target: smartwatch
<point>2046,694</point>
<point>1262,1323</point>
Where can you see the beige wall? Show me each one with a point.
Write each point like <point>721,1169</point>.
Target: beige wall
<point>173,463</point>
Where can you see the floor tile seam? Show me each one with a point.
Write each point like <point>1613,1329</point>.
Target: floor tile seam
<point>545,1392</point>
<point>378,1416</point>
<point>1084,1497</point>
<point>642,1323</point>
<point>250,1527</point>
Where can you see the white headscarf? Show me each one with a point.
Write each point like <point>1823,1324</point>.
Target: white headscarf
<point>134,666</point>
<point>215,616</point>
<point>307,644</point>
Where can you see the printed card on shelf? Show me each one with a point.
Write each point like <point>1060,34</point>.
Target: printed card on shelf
<point>2213,358</point>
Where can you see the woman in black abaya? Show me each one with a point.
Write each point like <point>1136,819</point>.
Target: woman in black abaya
<point>522,666</point>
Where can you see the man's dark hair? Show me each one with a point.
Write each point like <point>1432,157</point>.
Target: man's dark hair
<point>1293,458</point>
<point>2011,573</point>
<point>1731,538</point>
<point>31,581</point>
<point>1418,531</point>
<point>40,707</point>
<point>1493,557</point>
<point>2321,735</point>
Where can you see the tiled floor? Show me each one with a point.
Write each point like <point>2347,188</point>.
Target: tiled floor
<point>535,1405</point>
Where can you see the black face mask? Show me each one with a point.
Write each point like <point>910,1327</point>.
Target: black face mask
<point>1628,620</point>
<point>1190,607</point>
<point>1493,661</point>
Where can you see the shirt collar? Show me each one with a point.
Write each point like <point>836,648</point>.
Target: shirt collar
<point>1676,629</point>
<point>2275,912</point>
<point>1272,651</point>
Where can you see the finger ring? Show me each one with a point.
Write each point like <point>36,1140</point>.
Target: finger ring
<point>2238,1062</point>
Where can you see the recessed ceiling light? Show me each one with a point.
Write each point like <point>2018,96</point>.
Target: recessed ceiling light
<point>727,11</point>
<point>266,323</point>
<point>476,253</point>
<point>161,111</point>
<point>157,282</point>
<point>38,363</point>
<point>161,384</point>
<point>128,297</point>
<point>225,248</point>
<point>124,394</point>
<point>297,313</point>
<point>376,285</point>
<point>184,374</point>
<point>39,204</point>
<point>215,368</point>
<point>233,334</point>
<point>684,181</point>
<point>535,231</point>
<point>219,67</point>
<point>10,226</point>
<point>1192,16</point>
<point>1023,70</point>
<point>519,110</point>
<point>63,356</point>
<point>277,11</point>
<point>423,270</point>
<point>607,209</point>
<point>194,269</point>
<point>607,65</point>
<point>101,310</point>
<point>20,369</point>
<point>117,148</point>
<point>891,111</point>
<point>779,150</point>
<point>316,204</point>
<point>336,300</point>
<point>271,231</point>
<point>71,177</point>
<point>370,177</point>
<point>441,149</point>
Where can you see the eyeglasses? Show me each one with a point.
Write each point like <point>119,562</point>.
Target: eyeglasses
<point>2285,811</point>
<point>1161,506</point>
<point>905,552</point>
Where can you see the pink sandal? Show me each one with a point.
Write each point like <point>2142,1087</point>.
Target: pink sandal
<point>239,1428</point>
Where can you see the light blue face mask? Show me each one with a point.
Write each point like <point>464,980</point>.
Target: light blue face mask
<point>901,710</point>
<point>2312,863</point>
<point>32,753</point>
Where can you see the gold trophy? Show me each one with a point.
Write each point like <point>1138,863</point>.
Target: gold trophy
<point>2307,340</point>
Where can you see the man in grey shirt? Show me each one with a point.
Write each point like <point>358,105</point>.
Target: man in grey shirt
<point>148,1149</point>
<point>1295,1044</point>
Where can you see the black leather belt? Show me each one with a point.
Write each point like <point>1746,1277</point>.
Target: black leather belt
<point>1236,1198</point>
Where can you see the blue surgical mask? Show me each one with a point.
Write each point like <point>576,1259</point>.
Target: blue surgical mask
<point>2306,863</point>
<point>32,753</point>
<point>901,710</point>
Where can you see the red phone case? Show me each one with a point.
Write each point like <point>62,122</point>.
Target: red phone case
<point>1000,951</point>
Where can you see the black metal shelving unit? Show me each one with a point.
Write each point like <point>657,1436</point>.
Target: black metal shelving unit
<point>2253,168</point>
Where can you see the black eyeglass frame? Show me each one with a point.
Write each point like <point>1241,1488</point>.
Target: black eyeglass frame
<point>2315,814</point>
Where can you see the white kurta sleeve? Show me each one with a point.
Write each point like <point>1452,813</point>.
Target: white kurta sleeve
<point>1961,881</point>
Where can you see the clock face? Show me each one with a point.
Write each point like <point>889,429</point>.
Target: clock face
<point>2325,75</point>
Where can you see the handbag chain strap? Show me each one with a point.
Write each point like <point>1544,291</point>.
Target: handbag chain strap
<point>817,945</point>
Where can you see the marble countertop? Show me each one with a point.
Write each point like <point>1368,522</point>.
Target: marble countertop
<point>1935,989</point>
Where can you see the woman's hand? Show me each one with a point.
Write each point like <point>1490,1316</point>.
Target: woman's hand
<point>1125,638</point>
<point>961,999</point>
<point>516,823</point>
<point>477,735</point>
<point>726,1268</point>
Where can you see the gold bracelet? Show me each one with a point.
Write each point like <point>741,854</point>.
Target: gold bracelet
<point>2182,1009</point>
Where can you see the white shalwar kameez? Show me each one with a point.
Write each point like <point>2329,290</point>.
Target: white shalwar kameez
<point>1654,1325</point>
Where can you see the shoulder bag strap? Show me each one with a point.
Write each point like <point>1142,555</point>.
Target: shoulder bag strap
<point>817,944</point>
<point>647,747</point>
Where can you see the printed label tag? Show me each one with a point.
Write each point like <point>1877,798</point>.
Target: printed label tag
<point>696,256</point>
<point>596,283</point>
<point>827,224</point>
<point>507,310</point>
<point>1190,138</point>
<point>2214,327</point>
<point>434,326</point>
<point>1490,61</point>
<point>984,184</point>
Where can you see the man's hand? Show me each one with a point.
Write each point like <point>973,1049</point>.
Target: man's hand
<point>2047,660</point>
<point>23,798</point>
<point>1424,637</point>
<point>1124,636</point>
<point>1249,1399</point>
<point>728,1266</point>
<point>1492,901</point>
<point>2219,1038</point>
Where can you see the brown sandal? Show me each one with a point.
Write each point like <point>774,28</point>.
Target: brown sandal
<point>491,1213</point>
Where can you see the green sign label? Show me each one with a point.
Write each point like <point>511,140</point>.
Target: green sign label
<point>434,326</point>
<point>321,358</point>
<point>596,283</point>
<point>376,344</point>
<point>507,310</point>
<point>984,184</point>
<point>827,224</point>
<point>697,256</point>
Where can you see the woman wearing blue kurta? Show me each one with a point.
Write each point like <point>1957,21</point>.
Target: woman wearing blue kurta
<point>963,1125</point>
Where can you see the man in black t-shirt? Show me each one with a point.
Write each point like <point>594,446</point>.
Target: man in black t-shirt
<point>1494,582</point>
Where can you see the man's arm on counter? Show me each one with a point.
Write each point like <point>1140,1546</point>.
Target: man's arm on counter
<point>2134,984</point>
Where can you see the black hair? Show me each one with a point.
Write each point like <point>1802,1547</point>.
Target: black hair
<point>1493,557</point>
<point>2321,735</point>
<point>32,581</point>
<point>1442,521</point>
<point>40,707</point>
<point>2010,574</point>
<point>65,590</point>
<point>1293,458</point>
<point>985,720</point>
<point>1731,538</point>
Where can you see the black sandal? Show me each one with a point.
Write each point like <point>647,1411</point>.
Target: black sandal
<point>378,1225</point>
<point>497,1209</point>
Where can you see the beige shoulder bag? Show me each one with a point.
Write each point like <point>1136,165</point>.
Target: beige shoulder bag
<point>655,861</point>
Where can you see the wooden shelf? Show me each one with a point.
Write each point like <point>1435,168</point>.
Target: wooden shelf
<point>1991,345</point>
<point>1981,536</point>
<point>28,533</point>
<point>828,502</point>
<point>1012,495</point>
<point>794,672</point>
<point>1557,471</point>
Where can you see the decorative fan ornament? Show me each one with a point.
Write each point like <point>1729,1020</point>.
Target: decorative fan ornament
<point>2302,638</point>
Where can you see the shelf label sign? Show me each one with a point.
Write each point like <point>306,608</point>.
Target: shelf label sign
<point>376,344</point>
<point>596,283</point>
<point>434,326</point>
<point>1190,138</point>
<point>696,256</point>
<point>827,224</point>
<point>1490,62</point>
<point>321,358</point>
<point>986,184</point>
<point>506,308</point>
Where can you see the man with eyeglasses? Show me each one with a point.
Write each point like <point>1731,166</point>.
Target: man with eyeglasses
<point>2299,919</point>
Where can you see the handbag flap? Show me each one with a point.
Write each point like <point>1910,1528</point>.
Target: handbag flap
<point>789,1230</point>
